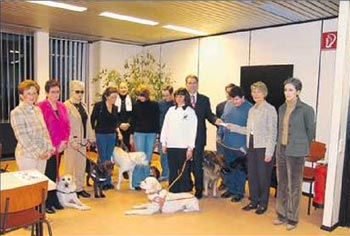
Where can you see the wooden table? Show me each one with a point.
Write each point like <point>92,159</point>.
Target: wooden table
<point>17,179</point>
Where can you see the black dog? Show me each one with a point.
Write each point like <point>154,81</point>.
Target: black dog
<point>99,173</point>
<point>239,163</point>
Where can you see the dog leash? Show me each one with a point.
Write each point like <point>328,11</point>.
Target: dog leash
<point>179,176</point>
<point>241,149</point>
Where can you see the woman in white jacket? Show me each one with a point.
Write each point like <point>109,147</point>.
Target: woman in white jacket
<point>178,139</point>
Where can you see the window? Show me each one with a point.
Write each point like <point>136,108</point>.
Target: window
<point>16,65</point>
<point>68,61</point>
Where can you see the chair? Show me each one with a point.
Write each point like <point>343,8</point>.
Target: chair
<point>316,153</point>
<point>23,207</point>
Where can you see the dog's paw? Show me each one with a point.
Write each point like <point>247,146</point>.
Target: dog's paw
<point>85,208</point>
<point>103,196</point>
<point>97,196</point>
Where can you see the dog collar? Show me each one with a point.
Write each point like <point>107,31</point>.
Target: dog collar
<point>65,192</point>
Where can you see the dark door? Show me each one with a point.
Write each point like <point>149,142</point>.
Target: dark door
<point>272,75</point>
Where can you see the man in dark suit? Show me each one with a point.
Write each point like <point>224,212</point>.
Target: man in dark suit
<point>203,111</point>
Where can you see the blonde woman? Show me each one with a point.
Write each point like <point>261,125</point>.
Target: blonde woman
<point>261,141</point>
<point>34,145</point>
<point>81,135</point>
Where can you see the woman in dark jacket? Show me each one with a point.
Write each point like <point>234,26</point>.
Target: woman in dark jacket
<point>144,129</point>
<point>105,120</point>
<point>296,131</point>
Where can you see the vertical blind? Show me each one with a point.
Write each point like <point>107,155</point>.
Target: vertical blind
<point>68,61</point>
<point>16,65</point>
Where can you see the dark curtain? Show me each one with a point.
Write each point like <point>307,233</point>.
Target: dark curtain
<point>344,214</point>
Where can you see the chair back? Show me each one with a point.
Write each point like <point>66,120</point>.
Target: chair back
<point>23,198</point>
<point>317,151</point>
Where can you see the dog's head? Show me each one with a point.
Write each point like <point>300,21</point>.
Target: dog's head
<point>213,161</point>
<point>151,185</point>
<point>107,168</point>
<point>66,184</point>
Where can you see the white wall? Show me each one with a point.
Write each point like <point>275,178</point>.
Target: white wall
<point>107,55</point>
<point>220,61</point>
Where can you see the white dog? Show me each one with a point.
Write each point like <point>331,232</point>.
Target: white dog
<point>66,193</point>
<point>162,201</point>
<point>127,162</point>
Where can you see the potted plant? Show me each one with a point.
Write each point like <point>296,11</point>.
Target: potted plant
<point>140,69</point>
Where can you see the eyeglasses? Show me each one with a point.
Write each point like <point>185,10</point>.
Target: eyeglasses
<point>79,91</point>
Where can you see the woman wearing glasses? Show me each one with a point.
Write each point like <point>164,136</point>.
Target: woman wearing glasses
<point>81,135</point>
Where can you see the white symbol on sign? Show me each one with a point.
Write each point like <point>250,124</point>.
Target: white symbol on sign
<point>330,40</point>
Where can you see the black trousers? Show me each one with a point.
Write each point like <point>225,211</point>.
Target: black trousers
<point>259,175</point>
<point>197,168</point>
<point>51,172</point>
<point>176,159</point>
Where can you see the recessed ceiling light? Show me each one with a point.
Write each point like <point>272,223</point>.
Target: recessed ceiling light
<point>184,29</point>
<point>128,18</point>
<point>60,5</point>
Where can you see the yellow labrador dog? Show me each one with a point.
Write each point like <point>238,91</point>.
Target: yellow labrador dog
<point>127,162</point>
<point>161,201</point>
<point>67,195</point>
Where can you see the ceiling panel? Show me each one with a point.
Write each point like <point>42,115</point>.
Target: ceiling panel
<point>212,17</point>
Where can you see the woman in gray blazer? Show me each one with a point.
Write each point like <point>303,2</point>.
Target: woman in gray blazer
<point>261,141</point>
<point>296,131</point>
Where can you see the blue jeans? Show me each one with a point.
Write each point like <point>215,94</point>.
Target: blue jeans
<point>105,145</point>
<point>140,173</point>
<point>144,142</point>
<point>235,178</point>
<point>163,163</point>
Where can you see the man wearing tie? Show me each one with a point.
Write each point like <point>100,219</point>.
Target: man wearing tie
<point>201,105</point>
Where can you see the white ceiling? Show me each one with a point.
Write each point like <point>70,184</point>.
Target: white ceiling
<point>212,17</point>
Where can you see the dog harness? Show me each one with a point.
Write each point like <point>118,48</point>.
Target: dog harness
<point>161,201</point>
<point>93,174</point>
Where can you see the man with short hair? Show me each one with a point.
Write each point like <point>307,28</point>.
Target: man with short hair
<point>164,105</point>
<point>201,105</point>
<point>235,114</point>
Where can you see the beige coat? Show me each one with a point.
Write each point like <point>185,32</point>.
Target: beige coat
<point>75,162</point>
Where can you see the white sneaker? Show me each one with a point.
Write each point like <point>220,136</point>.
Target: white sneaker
<point>278,221</point>
<point>291,227</point>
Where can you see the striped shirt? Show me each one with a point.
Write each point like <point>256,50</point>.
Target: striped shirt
<point>30,130</point>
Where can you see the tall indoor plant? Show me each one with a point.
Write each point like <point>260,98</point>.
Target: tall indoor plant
<point>140,69</point>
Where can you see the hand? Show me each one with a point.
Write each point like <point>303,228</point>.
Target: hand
<point>75,145</point>
<point>268,159</point>
<point>46,155</point>
<point>62,146</point>
<point>218,121</point>
<point>124,126</point>
<point>164,149</point>
<point>229,126</point>
<point>189,154</point>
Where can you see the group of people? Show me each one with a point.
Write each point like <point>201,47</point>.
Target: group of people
<point>47,129</point>
<point>250,131</point>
